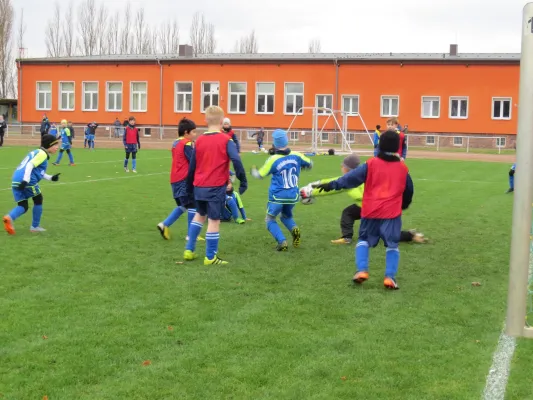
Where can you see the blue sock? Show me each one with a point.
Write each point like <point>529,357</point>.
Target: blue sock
<point>92,144</point>
<point>232,205</point>
<point>194,230</point>
<point>16,212</point>
<point>126,163</point>
<point>59,157</point>
<point>392,260</point>
<point>190,216</point>
<point>361,256</point>
<point>174,215</point>
<point>211,244</point>
<point>134,163</point>
<point>511,182</point>
<point>37,213</point>
<point>71,158</point>
<point>288,222</point>
<point>275,230</point>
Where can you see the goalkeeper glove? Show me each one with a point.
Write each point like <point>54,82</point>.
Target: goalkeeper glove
<point>326,187</point>
<point>55,177</point>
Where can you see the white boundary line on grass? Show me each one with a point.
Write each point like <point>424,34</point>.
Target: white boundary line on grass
<point>102,162</point>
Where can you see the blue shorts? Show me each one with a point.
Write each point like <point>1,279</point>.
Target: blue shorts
<point>388,230</point>
<point>65,146</point>
<point>90,137</point>
<point>274,209</point>
<point>210,201</point>
<point>179,192</point>
<point>131,148</point>
<point>28,193</point>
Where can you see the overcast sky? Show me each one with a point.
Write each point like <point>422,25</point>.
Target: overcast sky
<point>341,25</point>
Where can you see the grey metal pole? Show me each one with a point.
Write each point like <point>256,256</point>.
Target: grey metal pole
<point>519,261</point>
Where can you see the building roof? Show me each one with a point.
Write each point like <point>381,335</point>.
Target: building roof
<point>284,58</point>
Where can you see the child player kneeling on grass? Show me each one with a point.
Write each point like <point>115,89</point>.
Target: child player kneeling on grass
<point>25,184</point>
<point>182,150</point>
<point>388,191</point>
<point>352,213</point>
<point>207,179</point>
<point>283,194</point>
<point>233,207</point>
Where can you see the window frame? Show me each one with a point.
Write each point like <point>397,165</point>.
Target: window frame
<point>176,92</point>
<point>434,141</point>
<point>422,107</point>
<point>238,94</point>
<point>458,144</point>
<point>291,139</point>
<point>60,99</point>
<point>319,112</point>
<point>459,108</point>
<point>351,96</point>
<point>37,92</point>
<point>258,93</point>
<point>202,110</point>
<point>83,105</point>
<point>285,94</point>
<point>107,92</point>
<point>502,99</point>
<point>389,96</point>
<point>132,94</point>
<point>501,146</point>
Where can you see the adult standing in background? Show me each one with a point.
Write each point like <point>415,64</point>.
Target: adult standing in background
<point>45,125</point>
<point>3,127</point>
<point>118,128</point>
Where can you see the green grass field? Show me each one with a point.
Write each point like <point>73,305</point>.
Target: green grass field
<point>84,306</point>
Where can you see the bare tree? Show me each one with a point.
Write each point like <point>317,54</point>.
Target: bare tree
<point>112,35</point>
<point>102,45</point>
<point>125,34</point>
<point>53,38</point>
<point>20,33</point>
<point>6,48</point>
<point>68,31</point>
<point>315,46</point>
<point>140,33</point>
<point>247,45</point>
<point>169,37</point>
<point>87,25</point>
<point>202,35</point>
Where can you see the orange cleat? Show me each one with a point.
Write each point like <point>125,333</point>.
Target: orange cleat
<point>8,225</point>
<point>360,277</point>
<point>390,283</point>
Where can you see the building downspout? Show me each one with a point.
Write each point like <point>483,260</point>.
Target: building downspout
<point>160,99</point>
<point>19,102</point>
<point>336,105</point>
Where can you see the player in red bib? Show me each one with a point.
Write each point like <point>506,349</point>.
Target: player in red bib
<point>388,190</point>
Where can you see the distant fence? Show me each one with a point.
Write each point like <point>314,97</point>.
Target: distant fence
<point>300,138</point>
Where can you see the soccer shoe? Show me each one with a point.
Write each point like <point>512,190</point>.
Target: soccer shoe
<point>126,170</point>
<point>8,225</point>
<point>214,261</point>
<point>342,241</point>
<point>164,231</point>
<point>295,236</point>
<point>199,238</point>
<point>240,221</point>
<point>360,277</point>
<point>189,255</point>
<point>283,246</point>
<point>134,171</point>
<point>56,164</point>
<point>72,165</point>
<point>38,229</point>
<point>509,191</point>
<point>390,283</point>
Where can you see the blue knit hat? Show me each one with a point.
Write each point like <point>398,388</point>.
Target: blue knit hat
<point>280,139</point>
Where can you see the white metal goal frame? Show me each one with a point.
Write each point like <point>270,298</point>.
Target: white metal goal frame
<point>318,128</point>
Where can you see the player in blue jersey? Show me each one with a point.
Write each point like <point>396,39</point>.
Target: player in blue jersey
<point>511,179</point>
<point>234,208</point>
<point>25,184</point>
<point>284,166</point>
<point>66,144</point>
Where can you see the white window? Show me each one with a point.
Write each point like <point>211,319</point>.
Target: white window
<point>183,97</point>
<point>293,136</point>
<point>430,107</point>
<point>139,97</point>
<point>501,108</point>
<point>325,101</point>
<point>294,98</point>
<point>237,98</point>
<point>90,96</point>
<point>430,140</point>
<point>325,136</point>
<point>66,96</point>
<point>500,142</point>
<point>457,141</point>
<point>44,95</point>
<point>350,104</point>
<point>264,98</point>
<point>459,108</point>
<point>210,93</point>
<point>350,137</point>
<point>390,106</point>
<point>114,96</point>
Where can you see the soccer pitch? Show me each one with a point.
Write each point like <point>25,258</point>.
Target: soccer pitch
<point>97,308</point>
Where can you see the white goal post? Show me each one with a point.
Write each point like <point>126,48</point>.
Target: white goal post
<point>340,119</point>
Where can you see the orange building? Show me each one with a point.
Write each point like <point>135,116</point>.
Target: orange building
<point>433,93</point>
